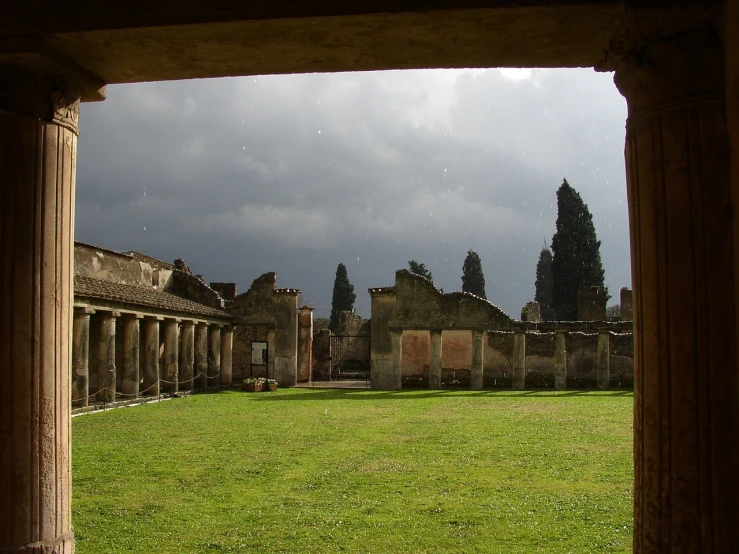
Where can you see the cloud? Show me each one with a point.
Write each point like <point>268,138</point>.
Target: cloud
<point>297,173</point>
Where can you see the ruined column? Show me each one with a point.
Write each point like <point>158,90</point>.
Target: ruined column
<point>187,355</point>
<point>171,367</point>
<point>602,361</point>
<point>150,384</point>
<point>81,357</point>
<point>305,343</point>
<point>214,357</point>
<point>435,346</point>
<point>560,360</point>
<point>271,354</point>
<point>227,340</point>
<point>106,357</point>
<point>395,379</point>
<point>201,354</point>
<point>519,360</point>
<point>131,356</point>
<point>686,389</point>
<point>38,155</point>
<point>476,375</point>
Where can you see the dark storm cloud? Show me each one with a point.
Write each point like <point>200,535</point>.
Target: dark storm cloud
<point>295,174</point>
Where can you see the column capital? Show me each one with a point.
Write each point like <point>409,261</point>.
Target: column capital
<point>188,323</point>
<point>109,314</point>
<point>130,315</point>
<point>664,55</point>
<point>435,331</point>
<point>83,311</point>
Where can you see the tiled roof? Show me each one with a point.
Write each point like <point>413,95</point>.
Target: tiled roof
<point>88,287</point>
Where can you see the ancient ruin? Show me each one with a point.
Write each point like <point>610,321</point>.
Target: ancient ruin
<point>144,327</point>
<point>677,65</point>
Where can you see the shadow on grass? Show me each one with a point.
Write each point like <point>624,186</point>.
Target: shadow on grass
<point>370,394</point>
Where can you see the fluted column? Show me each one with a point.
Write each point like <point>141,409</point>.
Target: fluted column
<point>227,341</point>
<point>171,355</point>
<point>106,358</point>
<point>686,412</point>
<point>81,357</point>
<point>560,360</point>
<point>435,346</point>
<point>131,356</point>
<point>150,382</point>
<point>395,379</point>
<point>519,361</point>
<point>214,357</point>
<point>476,374</point>
<point>201,354</point>
<point>187,355</point>
<point>37,180</point>
<point>602,361</point>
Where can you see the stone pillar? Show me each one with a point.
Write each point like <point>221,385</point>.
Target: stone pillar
<point>106,357</point>
<point>476,375</point>
<point>170,373</point>
<point>395,379</point>
<point>131,356</point>
<point>560,360</point>
<point>201,354</point>
<point>38,155</point>
<point>686,390</point>
<point>519,360</point>
<point>602,361</point>
<point>435,346</point>
<point>214,357</point>
<point>627,310</point>
<point>187,355</point>
<point>305,343</point>
<point>271,354</point>
<point>150,382</point>
<point>81,357</point>
<point>227,341</point>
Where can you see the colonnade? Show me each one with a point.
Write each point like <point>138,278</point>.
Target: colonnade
<point>160,354</point>
<point>518,360</point>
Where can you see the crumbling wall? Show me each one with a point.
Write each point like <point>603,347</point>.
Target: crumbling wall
<point>192,287</point>
<point>591,304</point>
<point>266,306</point>
<point>108,265</point>
<point>627,305</point>
<point>227,291</point>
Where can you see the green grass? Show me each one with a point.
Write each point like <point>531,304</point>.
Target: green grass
<point>357,471</point>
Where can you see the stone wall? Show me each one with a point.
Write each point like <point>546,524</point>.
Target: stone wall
<point>266,310</point>
<point>591,304</point>
<point>627,305</point>
<point>227,291</point>
<point>108,265</point>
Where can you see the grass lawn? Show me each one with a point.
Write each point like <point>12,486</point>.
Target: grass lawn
<point>357,471</point>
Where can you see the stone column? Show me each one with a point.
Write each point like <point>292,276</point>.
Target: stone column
<point>81,357</point>
<point>560,360</point>
<point>131,356</point>
<point>201,354</point>
<point>38,155</point>
<point>271,354</point>
<point>435,346</point>
<point>106,357</point>
<point>214,357</point>
<point>171,355</point>
<point>602,361</point>
<point>187,355</point>
<point>305,344</point>
<point>519,360</point>
<point>227,341</point>
<point>686,390</point>
<point>395,379</point>
<point>476,375</point>
<point>150,382</point>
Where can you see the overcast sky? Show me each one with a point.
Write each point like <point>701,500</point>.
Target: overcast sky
<point>296,173</point>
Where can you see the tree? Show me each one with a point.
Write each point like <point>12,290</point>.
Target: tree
<point>343,297</point>
<point>420,269</point>
<point>544,283</point>
<point>472,278</point>
<point>576,260</point>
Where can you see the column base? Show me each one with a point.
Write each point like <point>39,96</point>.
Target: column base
<point>61,545</point>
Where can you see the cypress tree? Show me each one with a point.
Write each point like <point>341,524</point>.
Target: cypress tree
<point>576,262</point>
<point>472,278</point>
<point>544,283</point>
<point>343,297</point>
<point>420,269</point>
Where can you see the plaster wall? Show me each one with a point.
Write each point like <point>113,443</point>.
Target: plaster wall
<point>107,265</point>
